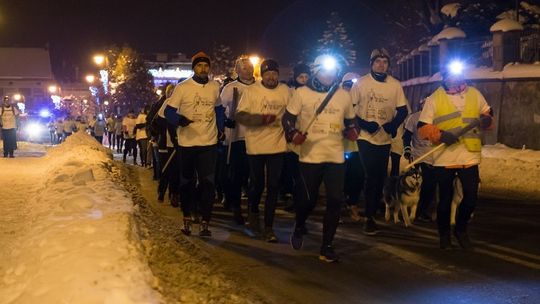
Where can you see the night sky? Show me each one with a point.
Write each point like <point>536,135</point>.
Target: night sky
<point>279,29</point>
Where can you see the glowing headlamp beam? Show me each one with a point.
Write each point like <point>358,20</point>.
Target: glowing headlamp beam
<point>329,63</point>
<point>456,67</point>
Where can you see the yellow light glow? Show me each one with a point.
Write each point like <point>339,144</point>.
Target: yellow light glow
<point>17,97</point>
<point>106,102</point>
<point>53,89</point>
<point>90,78</point>
<point>254,60</point>
<point>158,91</point>
<point>85,101</point>
<point>99,59</point>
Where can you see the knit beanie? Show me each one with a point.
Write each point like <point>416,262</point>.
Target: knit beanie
<point>269,65</point>
<point>301,69</point>
<point>378,53</point>
<point>199,57</point>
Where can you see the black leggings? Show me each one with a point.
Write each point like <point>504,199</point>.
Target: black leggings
<point>312,175</point>
<point>131,145</point>
<point>197,167</point>
<point>257,164</point>
<point>236,172</point>
<point>375,159</point>
<point>470,179</point>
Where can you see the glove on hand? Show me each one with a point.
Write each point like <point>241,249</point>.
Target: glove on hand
<point>407,153</point>
<point>369,126</point>
<point>268,118</point>
<point>485,121</point>
<point>184,121</point>
<point>448,138</point>
<point>229,123</point>
<point>298,138</point>
<point>390,129</point>
<point>221,136</point>
<point>351,134</point>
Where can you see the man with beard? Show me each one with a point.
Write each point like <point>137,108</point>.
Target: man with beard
<point>193,108</point>
<point>260,110</point>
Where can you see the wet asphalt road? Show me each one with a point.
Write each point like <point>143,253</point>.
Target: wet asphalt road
<point>399,265</point>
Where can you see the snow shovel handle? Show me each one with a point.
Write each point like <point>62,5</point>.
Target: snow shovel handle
<point>168,161</point>
<point>465,129</point>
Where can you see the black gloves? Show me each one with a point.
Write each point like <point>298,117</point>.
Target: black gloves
<point>184,121</point>
<point>448,138</point>
<point>407,153</point>
<point>390,128</point>
<point>485,121</point>
<point>229,123</point>
<point>369,126</point>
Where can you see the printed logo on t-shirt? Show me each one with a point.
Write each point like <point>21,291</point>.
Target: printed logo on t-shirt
<point>374,110</point>
<point>203,109</point>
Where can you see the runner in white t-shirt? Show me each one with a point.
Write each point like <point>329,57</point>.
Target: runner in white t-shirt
<point>128,125</point>
<point>195,108</point>
<point>381,108</point>
<point>321,148</point>
<point>260,110</point>
<point>237,168</point>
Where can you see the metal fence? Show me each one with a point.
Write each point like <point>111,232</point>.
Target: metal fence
<point>530,46</point>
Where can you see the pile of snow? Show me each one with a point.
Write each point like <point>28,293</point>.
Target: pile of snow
<point>506,25</point>
<point>449,33</point>
<point>67,232</point>
<point>510,173</point>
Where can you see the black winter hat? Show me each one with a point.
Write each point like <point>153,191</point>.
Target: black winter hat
<point>199,57</point>
<point>301,69</point>
<point>269,65</point>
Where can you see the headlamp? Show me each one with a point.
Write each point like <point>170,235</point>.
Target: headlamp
<point>456,67</point>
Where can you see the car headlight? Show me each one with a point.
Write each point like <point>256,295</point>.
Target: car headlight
<point>34,129</point>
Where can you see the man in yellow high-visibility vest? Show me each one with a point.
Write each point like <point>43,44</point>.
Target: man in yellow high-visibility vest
<point>451,107</point>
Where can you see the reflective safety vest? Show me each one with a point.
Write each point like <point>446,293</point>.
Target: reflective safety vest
<point>448,118</point>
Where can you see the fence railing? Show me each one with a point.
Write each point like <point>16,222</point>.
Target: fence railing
<point>530,46</point>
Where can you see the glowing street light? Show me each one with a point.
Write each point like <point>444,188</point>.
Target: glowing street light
<point>90,78</point>
<point>53,89</point>
<point>17,97</point>
<point>158,91</point>
<point>99,59</point>
<point>254,60</point>
<point>106,102</point>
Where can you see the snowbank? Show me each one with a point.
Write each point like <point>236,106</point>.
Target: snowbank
<point>451,9</point>
<point>510,173</point>
<point>70,240</point>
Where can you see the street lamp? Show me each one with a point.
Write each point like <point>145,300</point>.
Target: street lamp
<point>99,59</point>
<point>17,97</point>
<point>53,89</point>
<point>90,78</point>
<point>254,60</point>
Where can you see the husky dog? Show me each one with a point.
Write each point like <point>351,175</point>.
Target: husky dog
<point>400,193</point>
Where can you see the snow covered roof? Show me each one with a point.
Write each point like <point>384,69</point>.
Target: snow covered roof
<point>449,33</point>
<point>423,48</point>
<point>510,71</point>
<point>506,25</point>
<point>25,63</point>
<point>450,9</point>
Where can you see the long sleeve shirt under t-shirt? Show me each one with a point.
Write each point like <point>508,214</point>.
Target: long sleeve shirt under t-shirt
<point>257,99</point>
<point>324,142</point>
<point>377,101</point>
<point>196,102</point>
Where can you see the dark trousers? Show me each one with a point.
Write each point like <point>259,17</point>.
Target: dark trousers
<point>257,164</point>
<point>236,172</point>
<point>119,142</point>
<point>9,136</point>
<point>99,139</point>
<point>375,159</point>
<point>470,179</point>
<point>197,166</point>
<point>131,145</point>
<point>312,175</point>
<point>354,178</point>
<point>427,190</point>
<point>112,138</point>
<point>395,158</point>
<point>221,171</point>
<point>156,163</point>
<point>170,178</point>
<point>143,148</point>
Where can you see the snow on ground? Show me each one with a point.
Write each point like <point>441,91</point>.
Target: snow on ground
<point>510,173</point>
<point>65,230</point>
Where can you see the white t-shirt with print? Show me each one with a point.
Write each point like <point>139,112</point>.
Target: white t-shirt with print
<point>256,99</point>
<point>377,101</point>
<point>196,102</point>
<point>8,117</point>
<point>456,154</point>
<point>227,103</point>
<point>128,124</point>
<point>141,132</point>
<point>324,143</point>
